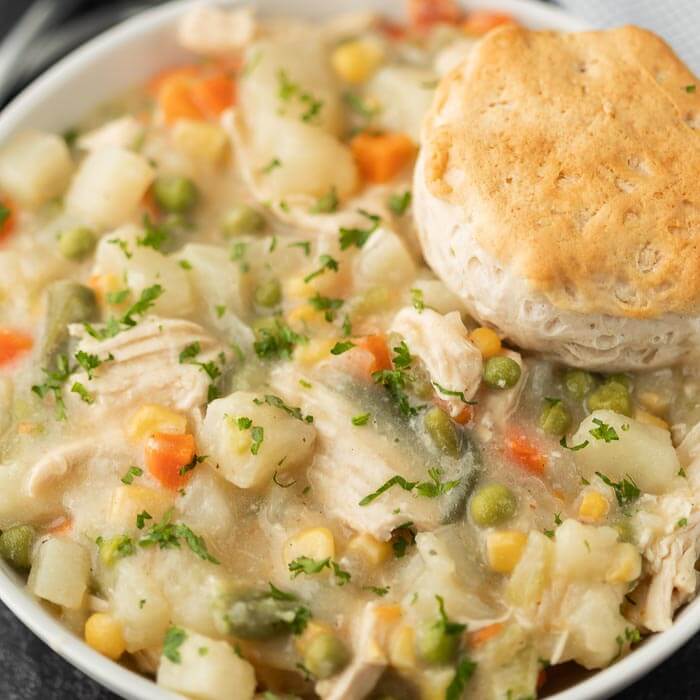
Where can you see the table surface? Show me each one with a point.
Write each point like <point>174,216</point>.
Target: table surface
<point>31,671</point>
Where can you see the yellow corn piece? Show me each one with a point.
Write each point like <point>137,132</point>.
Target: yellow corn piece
<point>200,141</point>
<point>434,682</point>
<point>594,507</point>
<point>305,313</point>
<point>102,285</point>
<point>653,401</point>
<point>314,351</point>
<point>628,565</point>
<point>296,288</point>
<point>311,631</point>
<point>356,61</point>
<point>369,549</point>
<point>239,440</point>
<point>105,634</point>
<point>388,614</point>
<point>402,647</point>
<point>504,549</point>
<point>315,542</point>
<point>486,340</point>
<point>151,419</point>
<point>650,419</point>
<point>129,501</point>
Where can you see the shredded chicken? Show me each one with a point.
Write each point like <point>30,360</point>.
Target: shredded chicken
<point>211,30</point>
<point>452,360</point>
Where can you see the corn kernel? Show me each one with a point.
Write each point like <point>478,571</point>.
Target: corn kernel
<point>628,565</point>
<point>402,642</point>
<point>200,141</point>
<point>388,614</point>
<point>434,683</point>
<point>105,634</point>
<point>129,501</point>
<point>296,288</point>
<point>150,419</point>
<point>650,419</point>
<point>486,340</point>
<point>312,630</point>
<point>356,61</point>
<point>594,507</point>
<point>305,314</point>
<point>653,401</point>
<point>315,542</point>
<point>102,285</point>
<point>314,351</point>
<point>369,548</point>
<point>504,549</point>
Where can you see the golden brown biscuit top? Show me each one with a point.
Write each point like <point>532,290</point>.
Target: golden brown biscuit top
<point>576,160</point>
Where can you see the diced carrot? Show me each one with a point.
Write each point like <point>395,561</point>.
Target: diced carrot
<point>377,346</point>
<point>392,30</point>
<point>521,450</point>
<point>213,94</point>
<point>479,22</point>
<point>8,217</point>
<point>479,637</point>
<point>176,101</point>
<point>465,416</point>
<point>171,74</point>
<point>13,345</point>
<point>382,156</point>
<point>541,678</point>
<point>165,456</point>
<point>423,14</point>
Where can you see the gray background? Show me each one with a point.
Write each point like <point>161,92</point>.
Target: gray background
<point>29,670</point>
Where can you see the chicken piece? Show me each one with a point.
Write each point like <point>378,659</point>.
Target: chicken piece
<point>348,467</point>
<point>441,343</point>
<point>124,132</point>
<point>668,528</point>
<point>213,31</point>
<point>370,659</point>
<point>143,364</point>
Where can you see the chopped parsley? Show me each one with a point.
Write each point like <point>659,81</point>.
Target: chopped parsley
<point>681,473</point>
<point>274,163</point>
<point>174,638</point>
<point>277,402</point>
<point>435,487</point>
<point>573,448</point>
<point>257,433</point>
<point>280,484</point>
<point>154,235</point>
<point>326,304</point>
<point>131,474</point>
<point>309,566</point>
<point>381,591</point>
<point>451,392</point>
<point>361,419</point>
<point>417,299</point>
<point>141,519</point>
<point>118,297</point>
<point>167,535</point>
<point>191,464</point>
<point>327,203</point>
<point>397,380</point>
<point>84,394</point>
<point>185,264</point>
<point>289,90</point>
<point>188,356</point>
<point>359,236</point>
<point>115,326</point>
<point>220,310</point>
<point>122,245</point>
<point>277,342</point>
<point>689,88</point>
<point>5,213</point>
<point>340,347</point>
<point>304,245</point>
<point>402,537</point>
<point>398,203</point>
<point>54,385</point>
<point>626,491</point>
<point>464,671</point>
<point>389,484</point>
<point>603,431</point>
<point>363,108</point>
<point>448,627</point>
<point>327,263</point>
<point>90,362</point>
<point>347,326</point>
<point>682,522</point>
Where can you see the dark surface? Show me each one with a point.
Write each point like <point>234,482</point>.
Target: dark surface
<point>31,671</point>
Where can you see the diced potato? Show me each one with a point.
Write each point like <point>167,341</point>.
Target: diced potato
<point>35,167</point>
<point>369,549</point>
<point>532,572</point>
<point>593,507</point>
<point>152,418</point>
<point>201,142</point>
<point>402,647</point>
<point>129,501</point>
<point>124,132</point>
<point>248,457</point>
<point>315,542</point>
<point>108,187</point>
<point>383,260</point>
<point>504,549</point>
<point>627,565</point>
<point>105,634</point>
<point>207,670</point>
<point>642,452</point>
<point>356,61</point>
<point>60,572</point>
<point>139,604</point>
<point>437,296</point>
<point>405,94</point>
<point>434,682</point>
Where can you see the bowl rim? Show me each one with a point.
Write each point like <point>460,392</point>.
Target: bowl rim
<point>59,638</point>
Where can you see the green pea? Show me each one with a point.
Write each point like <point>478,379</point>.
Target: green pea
<point>501,372</point>
<point>175,194</point>
<point>555,418</point>
<point>493,504</point>
<point>76,243</point>
<point>268,293</point>
<point>326,655</point>
<point>241,219</point>
<point>435,645</point>
<point>612,396</point>
<point>578,382</point>
<point>620,378</point>
<point>16,546</point>
<point>442,431</point>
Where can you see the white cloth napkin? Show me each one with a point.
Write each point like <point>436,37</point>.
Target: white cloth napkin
<point>677,21</point>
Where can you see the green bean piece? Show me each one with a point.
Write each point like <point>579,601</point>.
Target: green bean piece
<point>501,372</point>
<point>442,432</point>
<point>77,243</point>
<point>175,194</point>
<point>493,504</point>
<point>268,293</point>
<point>613,396</point>
<point>555,418</point>
<point>579,383</point>
<point>435,645</point>
<point>258,615</point>
<point>240,219</point>
<point>16,546</point>
<point>326,655</point>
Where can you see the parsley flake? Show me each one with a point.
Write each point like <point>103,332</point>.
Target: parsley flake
<point>359,236</point>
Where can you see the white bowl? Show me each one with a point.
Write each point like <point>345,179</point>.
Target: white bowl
<point>126,56</point>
